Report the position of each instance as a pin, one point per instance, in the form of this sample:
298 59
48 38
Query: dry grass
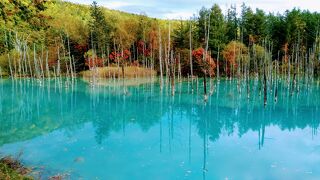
12 169
122 82
110 72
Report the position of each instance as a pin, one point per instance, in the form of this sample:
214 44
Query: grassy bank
110 72
11 169
4 74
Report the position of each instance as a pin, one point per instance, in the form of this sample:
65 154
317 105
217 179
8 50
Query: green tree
180 36
276 31
232 24
99 37
252 26
202 24
217 38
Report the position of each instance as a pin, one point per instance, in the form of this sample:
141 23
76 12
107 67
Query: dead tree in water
204 59
205 84
218 70
296 67
276 79
169 51
190 52
265 86
172 73
179 68
160 59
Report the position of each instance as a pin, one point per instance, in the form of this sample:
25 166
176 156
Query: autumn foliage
203 61
143 49
120 56
94 62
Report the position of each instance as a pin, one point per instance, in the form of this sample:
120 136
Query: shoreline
11 168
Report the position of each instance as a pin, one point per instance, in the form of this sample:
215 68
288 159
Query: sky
184 9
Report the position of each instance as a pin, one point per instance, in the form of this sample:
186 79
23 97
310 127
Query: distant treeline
51 33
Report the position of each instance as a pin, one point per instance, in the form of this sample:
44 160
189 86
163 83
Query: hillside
67 37
47 26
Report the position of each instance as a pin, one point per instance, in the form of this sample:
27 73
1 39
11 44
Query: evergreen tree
99 30
180 36
217 30
202 24
232 24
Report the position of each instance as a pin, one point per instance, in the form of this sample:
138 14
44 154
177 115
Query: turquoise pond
100 132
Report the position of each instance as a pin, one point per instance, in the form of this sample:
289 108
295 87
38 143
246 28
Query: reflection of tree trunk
123 116
248 83
160 131
205 84
262 137
276 92
259 138
190 121
171 122
160 135
204 168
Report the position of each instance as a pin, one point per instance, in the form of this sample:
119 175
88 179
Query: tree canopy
54 25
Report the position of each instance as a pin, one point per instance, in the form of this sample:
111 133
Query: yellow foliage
235 52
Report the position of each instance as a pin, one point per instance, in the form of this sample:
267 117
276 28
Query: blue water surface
107 131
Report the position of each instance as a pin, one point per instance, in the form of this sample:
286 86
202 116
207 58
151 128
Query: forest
48 38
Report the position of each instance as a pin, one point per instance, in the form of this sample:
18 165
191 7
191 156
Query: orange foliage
208 65
94 62
125 55
233 51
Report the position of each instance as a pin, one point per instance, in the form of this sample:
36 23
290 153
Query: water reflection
31 109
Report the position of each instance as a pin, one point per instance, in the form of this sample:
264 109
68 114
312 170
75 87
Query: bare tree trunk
190 52
179 68
169 48
204 60
277 76
10 67
47 65
160 59
265 86
218 66
172 74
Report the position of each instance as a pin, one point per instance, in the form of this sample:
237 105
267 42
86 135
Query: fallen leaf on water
79 160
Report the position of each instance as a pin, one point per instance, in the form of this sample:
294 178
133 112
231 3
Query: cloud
116 5
176 9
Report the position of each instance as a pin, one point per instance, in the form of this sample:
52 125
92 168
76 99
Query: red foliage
198 54
94 62
52 63
81 47
125 55
140 46
143 49
208 65
113 55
